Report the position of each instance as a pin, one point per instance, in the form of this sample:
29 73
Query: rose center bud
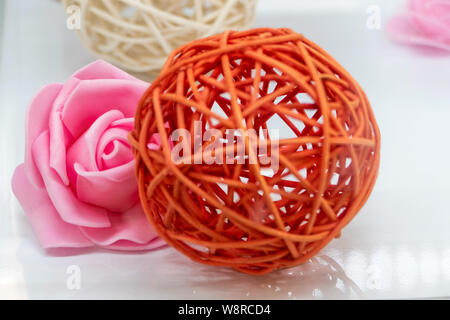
113 149
100 162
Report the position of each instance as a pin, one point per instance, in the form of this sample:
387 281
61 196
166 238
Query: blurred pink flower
425 23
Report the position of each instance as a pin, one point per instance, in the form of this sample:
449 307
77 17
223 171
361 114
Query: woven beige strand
138 35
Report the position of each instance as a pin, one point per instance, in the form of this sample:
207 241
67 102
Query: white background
398 246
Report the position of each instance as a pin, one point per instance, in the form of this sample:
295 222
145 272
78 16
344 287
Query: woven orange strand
253 76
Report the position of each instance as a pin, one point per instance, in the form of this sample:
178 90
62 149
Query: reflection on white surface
158 275
397 247
429 265
445 265
406 271
356 264
382 269
167 274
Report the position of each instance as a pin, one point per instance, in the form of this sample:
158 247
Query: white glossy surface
397 247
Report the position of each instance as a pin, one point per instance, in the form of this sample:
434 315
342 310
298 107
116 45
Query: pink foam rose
77 184
425 23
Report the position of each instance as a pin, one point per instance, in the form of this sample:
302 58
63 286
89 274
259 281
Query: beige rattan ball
138 35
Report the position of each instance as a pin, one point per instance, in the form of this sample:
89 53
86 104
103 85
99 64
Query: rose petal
66 204
125 245
59 138
92 98
114 154
36 123
131 226
84 149
50 229
125 123
115 189
114 148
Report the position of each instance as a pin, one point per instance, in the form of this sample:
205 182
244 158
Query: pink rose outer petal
71 209
102 70
50 229
58 137
129 230
125 245
115 189
92 98
36 123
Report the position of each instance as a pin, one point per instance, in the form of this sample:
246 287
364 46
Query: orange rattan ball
247 215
